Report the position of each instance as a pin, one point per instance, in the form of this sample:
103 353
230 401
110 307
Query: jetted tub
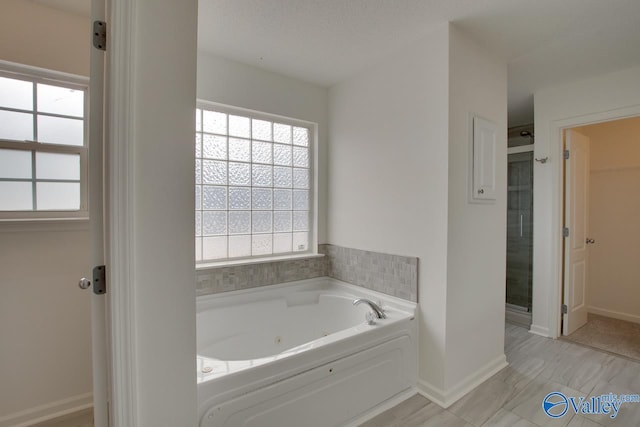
301 354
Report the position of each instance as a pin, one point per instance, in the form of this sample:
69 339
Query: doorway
519 276
601 297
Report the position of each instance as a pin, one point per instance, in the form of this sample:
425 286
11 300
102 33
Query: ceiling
544 42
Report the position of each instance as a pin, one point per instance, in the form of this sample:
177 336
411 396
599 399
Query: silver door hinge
566 154
100 35
565 232
565 309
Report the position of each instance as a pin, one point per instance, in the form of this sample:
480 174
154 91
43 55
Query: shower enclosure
520 225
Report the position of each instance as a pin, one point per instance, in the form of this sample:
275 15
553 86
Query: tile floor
513 397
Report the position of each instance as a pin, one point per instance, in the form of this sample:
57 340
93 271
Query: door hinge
565 232
565 309
566 154
99 280
100 35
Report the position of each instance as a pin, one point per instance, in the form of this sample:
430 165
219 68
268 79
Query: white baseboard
446 398
433 393
543 331
378 409
614 314
48 411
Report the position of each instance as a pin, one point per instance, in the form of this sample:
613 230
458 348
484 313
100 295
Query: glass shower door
520 231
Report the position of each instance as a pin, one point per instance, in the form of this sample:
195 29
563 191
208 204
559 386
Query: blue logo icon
555 404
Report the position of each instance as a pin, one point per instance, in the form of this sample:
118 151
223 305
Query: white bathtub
300 354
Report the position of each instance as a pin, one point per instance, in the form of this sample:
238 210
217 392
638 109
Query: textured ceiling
545 42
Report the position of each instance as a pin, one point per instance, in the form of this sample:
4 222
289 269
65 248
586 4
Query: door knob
592 241
84 283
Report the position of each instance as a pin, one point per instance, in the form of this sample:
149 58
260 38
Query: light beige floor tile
582 375
628 414
628 376
519 374
481 403
579 421
445 419
422 416
504 418
528 403
395 415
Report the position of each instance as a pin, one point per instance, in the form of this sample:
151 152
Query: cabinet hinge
565 309
100 35
565 232
566 154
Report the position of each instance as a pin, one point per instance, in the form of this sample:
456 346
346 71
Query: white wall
607 97
163 262
227 82
398 159
45 323
45 320
44 37
476 261
614 205
388 174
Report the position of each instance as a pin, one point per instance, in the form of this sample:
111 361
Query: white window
254 185
43 144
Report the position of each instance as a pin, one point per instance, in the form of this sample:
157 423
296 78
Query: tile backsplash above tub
236 277
391 274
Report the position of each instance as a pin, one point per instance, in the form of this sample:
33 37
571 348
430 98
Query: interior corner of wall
450 395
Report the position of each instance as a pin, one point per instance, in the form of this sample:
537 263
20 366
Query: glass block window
253 185
43 151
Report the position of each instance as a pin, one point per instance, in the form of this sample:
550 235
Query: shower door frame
519 310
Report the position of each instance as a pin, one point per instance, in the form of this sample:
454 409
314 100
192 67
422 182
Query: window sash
37 75
311 208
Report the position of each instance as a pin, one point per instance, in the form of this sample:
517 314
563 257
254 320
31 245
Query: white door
96 213
577 222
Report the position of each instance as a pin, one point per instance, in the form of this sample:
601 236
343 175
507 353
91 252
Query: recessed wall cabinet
484 161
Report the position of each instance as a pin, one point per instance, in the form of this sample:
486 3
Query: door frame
127 25
555 246
119 211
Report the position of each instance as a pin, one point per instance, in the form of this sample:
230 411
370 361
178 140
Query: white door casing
577 222
99 335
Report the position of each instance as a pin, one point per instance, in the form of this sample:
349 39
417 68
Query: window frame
312 249
54 78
